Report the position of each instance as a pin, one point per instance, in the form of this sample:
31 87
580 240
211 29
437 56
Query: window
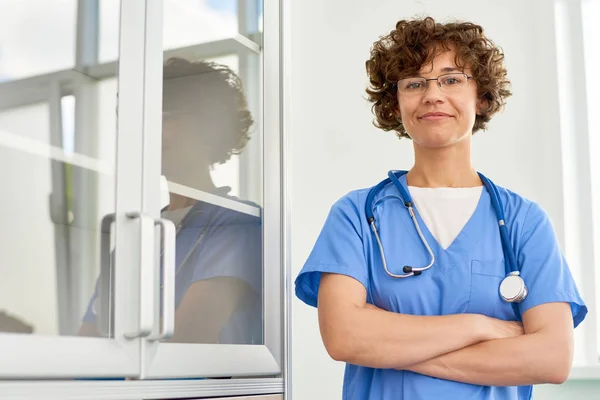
46 45
186 23
577 61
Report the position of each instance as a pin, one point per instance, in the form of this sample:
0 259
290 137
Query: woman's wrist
488 328
482 327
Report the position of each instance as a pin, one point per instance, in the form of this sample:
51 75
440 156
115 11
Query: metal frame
45 357
133 390
214 199
88 28
33 89
237 44
286 146
273 179
251 160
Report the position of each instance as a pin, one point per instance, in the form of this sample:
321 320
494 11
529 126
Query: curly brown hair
219 96
413 43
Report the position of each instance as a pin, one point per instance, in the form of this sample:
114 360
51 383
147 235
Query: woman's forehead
443 61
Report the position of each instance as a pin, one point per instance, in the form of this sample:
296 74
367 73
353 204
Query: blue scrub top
220 242
464 279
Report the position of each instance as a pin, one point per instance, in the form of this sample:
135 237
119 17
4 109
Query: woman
407 275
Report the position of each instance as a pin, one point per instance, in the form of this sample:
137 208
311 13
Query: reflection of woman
443 332
12 324
218 250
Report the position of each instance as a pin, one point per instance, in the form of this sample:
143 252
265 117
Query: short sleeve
231 250
89 315
338 249
544 268
218 242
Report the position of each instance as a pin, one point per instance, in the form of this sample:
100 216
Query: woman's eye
414 85
451 81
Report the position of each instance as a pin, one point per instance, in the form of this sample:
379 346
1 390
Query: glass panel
186 23
212 159
108 46
68 123
37 128
57 166
36 37
189 22
28 297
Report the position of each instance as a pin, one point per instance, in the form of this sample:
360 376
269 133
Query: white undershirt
445 210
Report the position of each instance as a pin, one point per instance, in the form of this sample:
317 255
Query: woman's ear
482 104
397 113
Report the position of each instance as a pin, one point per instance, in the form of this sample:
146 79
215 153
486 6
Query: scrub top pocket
484 298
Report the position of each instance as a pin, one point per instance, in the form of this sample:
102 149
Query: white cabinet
142 197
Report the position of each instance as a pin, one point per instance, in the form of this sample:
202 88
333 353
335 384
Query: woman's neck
193 178
178 202
443 167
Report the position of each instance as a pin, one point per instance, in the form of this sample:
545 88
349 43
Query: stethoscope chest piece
513 289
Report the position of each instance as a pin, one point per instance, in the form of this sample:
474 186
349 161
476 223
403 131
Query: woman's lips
435 117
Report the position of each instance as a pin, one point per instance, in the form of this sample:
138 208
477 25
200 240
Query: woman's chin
437 140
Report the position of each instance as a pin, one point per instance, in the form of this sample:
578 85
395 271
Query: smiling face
437 118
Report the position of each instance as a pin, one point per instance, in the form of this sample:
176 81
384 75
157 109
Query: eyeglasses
448 83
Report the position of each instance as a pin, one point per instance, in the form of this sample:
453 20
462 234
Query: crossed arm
467 348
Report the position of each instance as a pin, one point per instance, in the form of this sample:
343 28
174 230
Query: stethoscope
512 288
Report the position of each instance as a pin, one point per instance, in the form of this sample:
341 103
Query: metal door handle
147 285
167 261
105 295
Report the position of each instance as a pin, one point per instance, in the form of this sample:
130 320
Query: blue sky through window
229 6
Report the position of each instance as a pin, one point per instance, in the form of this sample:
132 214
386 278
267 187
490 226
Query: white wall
335 148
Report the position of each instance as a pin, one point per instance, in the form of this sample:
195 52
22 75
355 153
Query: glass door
74 292
220 189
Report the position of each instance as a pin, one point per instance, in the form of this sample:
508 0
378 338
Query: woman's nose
433 93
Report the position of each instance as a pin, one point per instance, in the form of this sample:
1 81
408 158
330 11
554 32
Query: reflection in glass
28 298
56 169
97 313
218 276
186 23
48 255
219 238
36 37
